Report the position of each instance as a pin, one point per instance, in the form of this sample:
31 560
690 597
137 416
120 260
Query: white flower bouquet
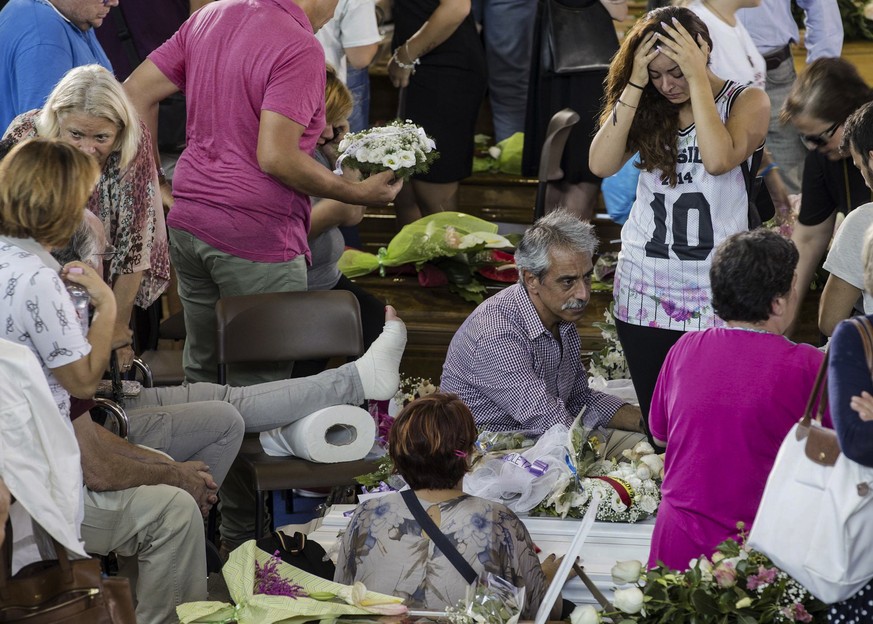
401 146
630 490
609 362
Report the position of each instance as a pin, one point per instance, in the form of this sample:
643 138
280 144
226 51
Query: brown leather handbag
61 591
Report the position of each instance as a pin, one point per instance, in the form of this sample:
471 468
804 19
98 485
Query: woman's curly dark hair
749 271
656 123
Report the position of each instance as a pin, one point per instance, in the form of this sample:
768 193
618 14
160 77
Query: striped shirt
514 374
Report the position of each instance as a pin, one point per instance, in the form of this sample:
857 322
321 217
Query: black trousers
645 349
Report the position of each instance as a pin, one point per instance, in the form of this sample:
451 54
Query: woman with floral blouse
89 109
385 548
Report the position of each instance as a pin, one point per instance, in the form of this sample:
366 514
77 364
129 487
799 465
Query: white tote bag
815 520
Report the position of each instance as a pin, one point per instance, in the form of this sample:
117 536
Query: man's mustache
575 304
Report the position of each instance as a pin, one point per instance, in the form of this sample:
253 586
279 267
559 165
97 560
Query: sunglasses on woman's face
821 139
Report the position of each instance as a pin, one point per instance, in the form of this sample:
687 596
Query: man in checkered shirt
516 359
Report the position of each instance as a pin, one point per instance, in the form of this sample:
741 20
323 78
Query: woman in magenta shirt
727 397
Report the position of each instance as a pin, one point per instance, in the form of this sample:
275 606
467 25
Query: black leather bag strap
123 31
439 539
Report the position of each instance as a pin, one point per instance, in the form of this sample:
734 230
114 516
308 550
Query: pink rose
765 576
725 575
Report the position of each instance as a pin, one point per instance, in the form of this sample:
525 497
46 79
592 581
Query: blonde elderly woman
89 109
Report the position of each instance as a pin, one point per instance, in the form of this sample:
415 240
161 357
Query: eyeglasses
821 139
108 252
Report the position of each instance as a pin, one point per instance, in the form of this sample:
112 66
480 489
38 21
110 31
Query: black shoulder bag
439 539
577 39
761 206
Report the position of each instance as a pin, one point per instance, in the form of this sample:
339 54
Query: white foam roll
334 434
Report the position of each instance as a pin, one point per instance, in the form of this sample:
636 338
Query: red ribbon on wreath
622 487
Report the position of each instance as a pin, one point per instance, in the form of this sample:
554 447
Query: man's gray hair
82 246
558 229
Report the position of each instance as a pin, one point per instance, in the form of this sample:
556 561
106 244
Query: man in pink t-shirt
727 397
253 75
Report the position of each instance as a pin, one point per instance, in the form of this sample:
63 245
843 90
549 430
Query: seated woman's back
386 549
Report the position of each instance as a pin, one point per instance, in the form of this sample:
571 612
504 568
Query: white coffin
607 543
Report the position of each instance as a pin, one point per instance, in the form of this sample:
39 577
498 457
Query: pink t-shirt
724 402
233 59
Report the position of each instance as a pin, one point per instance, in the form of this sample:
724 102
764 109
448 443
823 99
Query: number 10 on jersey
657 247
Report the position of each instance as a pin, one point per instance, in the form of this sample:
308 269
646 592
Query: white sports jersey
662 278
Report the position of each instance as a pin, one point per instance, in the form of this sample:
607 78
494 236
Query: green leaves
752 591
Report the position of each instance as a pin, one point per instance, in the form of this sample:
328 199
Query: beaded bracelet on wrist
411 65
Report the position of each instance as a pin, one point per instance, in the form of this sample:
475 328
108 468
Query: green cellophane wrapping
443 234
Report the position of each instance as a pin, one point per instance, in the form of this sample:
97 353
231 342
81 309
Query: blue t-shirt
37 47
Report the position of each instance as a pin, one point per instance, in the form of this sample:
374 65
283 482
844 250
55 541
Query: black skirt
446 91
547 94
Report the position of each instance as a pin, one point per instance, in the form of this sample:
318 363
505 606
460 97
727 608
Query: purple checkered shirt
513 374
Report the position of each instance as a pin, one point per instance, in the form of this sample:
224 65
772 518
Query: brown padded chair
277 327
550 157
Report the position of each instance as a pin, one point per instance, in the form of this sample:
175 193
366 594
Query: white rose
643 472
362 154
624 471
375 155
648 504
643 448
344 144
585 614
626 572
406 158
616 504
628 600
654 463
705 570
494 152
391 162
581 498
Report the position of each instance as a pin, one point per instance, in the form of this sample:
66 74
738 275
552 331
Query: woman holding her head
693 131
384 546
89 110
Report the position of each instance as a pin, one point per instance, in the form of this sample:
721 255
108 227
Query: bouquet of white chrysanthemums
402 147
